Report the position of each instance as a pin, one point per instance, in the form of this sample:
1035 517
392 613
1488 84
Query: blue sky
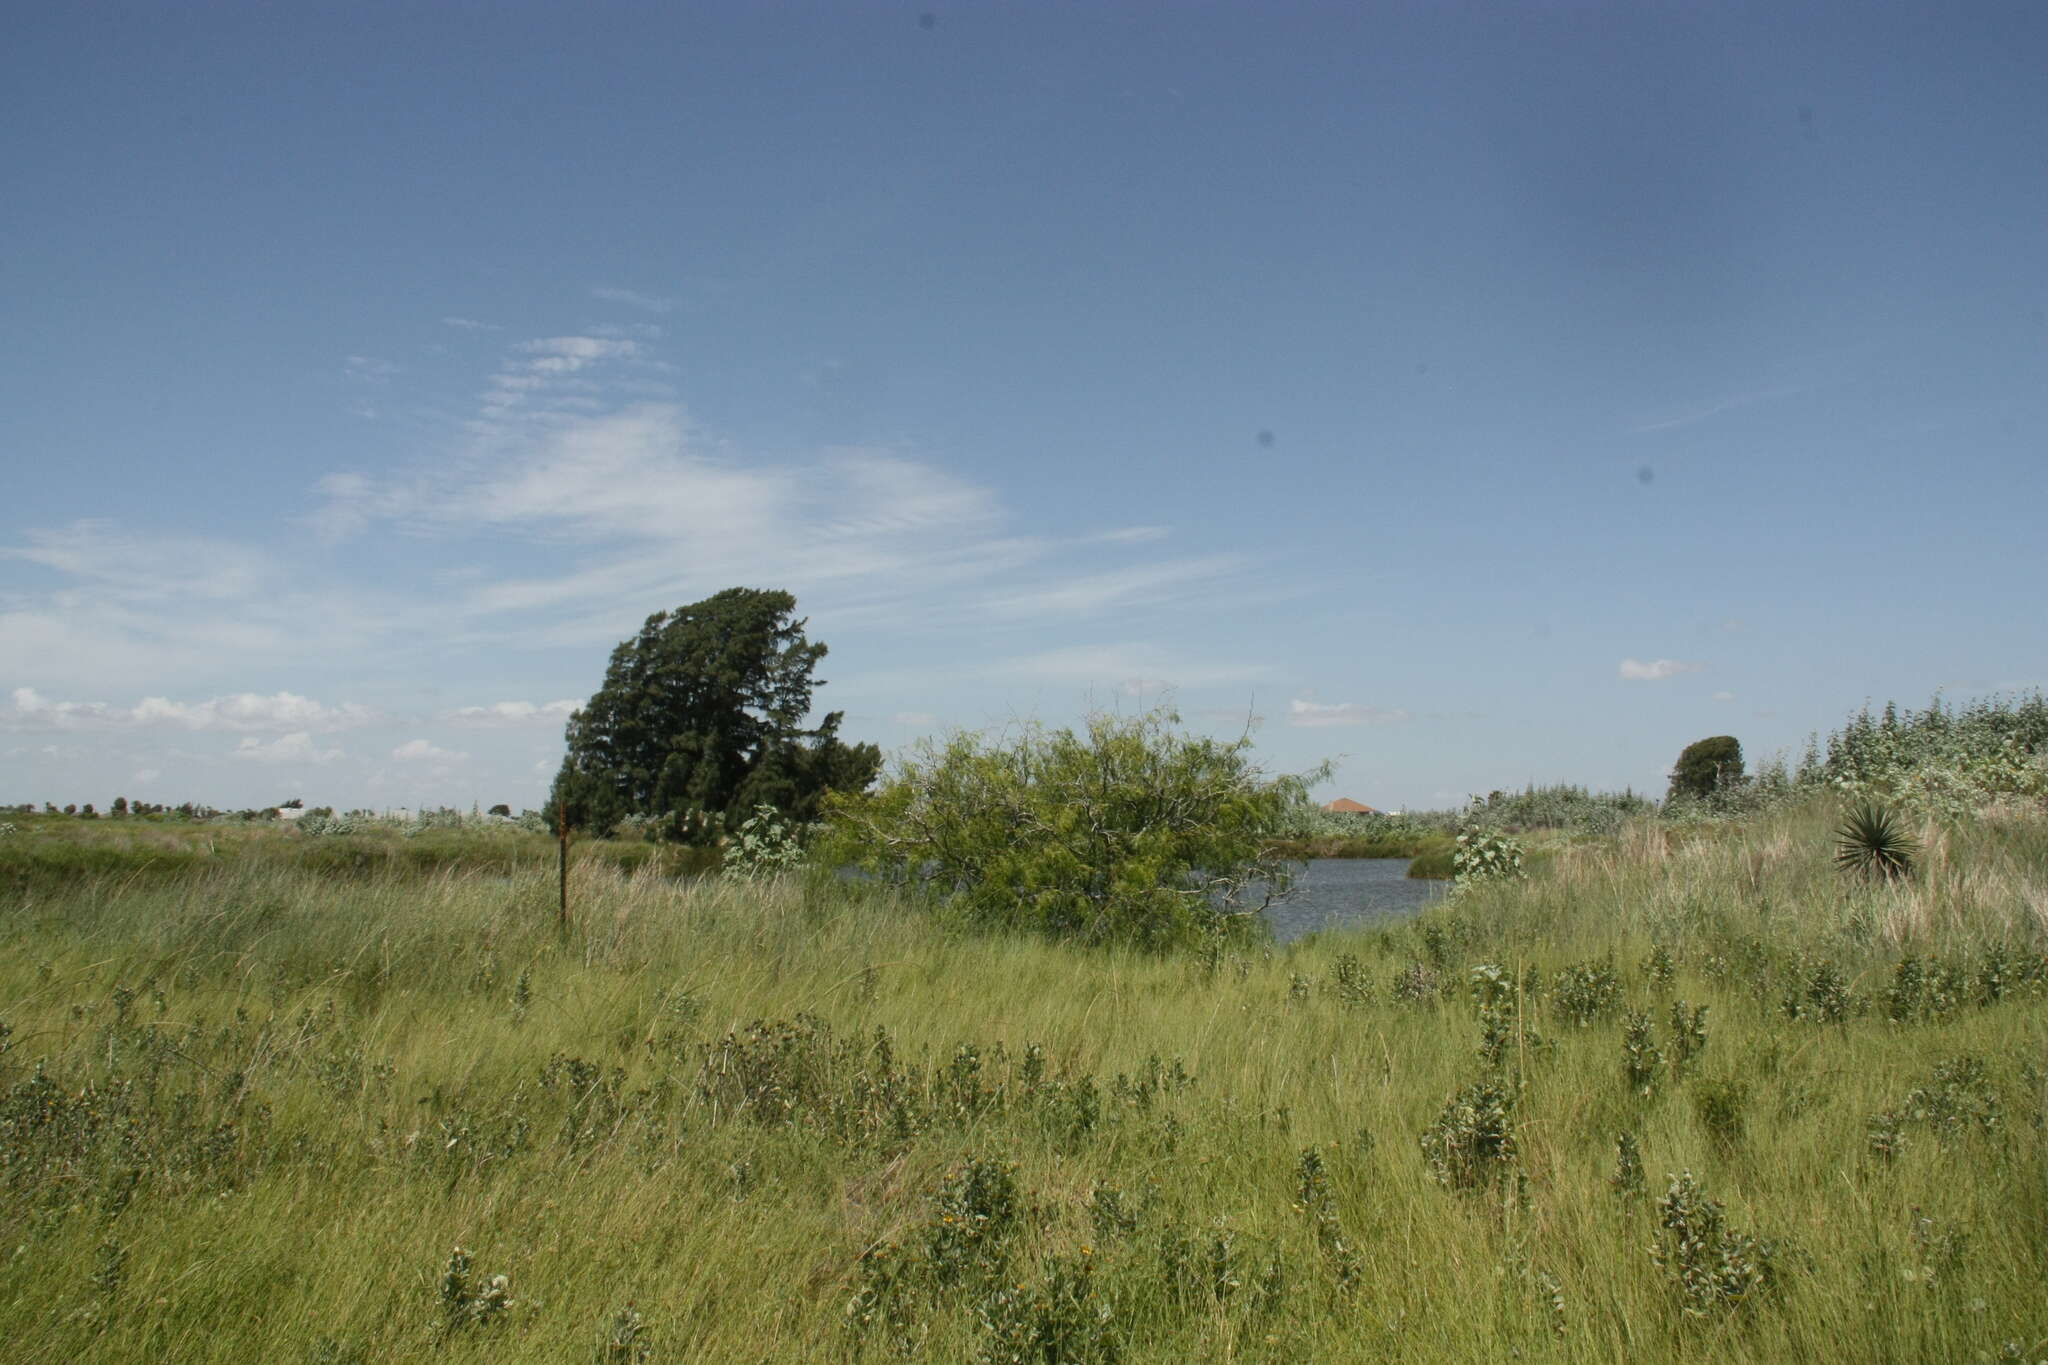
1475 394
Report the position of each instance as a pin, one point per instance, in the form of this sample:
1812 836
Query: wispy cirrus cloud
138 567
1135 586
508 713
1139 666
633 299
568 354
297 747
1657 670
426 751
1714 408
1306 713
578 451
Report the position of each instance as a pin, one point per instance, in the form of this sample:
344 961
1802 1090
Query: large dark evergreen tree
701 719
1706 766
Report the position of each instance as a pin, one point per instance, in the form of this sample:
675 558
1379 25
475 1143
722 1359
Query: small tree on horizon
1705 767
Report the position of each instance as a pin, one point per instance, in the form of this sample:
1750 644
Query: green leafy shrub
1641 1060
1586 991
1627 1180
1130 832
1714 1268
1483 855
1956 1100
1472 1143
764 845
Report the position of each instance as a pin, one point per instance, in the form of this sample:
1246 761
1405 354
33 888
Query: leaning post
562 862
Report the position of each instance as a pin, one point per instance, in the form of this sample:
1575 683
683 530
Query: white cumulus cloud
1657 670
239 711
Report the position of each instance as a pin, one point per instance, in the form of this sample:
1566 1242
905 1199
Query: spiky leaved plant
1873 840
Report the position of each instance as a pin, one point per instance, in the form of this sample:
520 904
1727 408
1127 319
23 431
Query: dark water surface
1349 891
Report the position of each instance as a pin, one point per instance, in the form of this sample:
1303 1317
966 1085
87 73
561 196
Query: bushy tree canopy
701 720
1130 832
1706 766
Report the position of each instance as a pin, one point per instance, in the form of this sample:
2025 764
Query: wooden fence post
562 862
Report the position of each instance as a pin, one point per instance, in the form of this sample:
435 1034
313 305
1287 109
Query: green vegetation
701 721
1304 830
42 852
1705 767
1130 833
1694 1090
1689 1093
1948 763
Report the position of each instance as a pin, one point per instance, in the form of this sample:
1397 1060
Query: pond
1329 892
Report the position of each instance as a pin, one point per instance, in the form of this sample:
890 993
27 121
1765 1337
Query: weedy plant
625 1340
1472 1143
1059 1318
1486 855
1688 1036
1312 1182
467 1304
1642 1062
764 845
1956 1101
1627 1180
1714 1268
1586 991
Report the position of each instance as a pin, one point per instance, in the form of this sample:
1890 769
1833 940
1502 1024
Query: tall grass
45 851
250 1112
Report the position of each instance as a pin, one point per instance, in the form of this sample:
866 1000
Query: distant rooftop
1344 805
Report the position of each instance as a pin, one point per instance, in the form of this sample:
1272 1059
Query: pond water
1349 891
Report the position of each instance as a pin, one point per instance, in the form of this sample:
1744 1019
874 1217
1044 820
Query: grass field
250 1105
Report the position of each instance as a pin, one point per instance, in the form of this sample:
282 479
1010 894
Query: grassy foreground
248 1112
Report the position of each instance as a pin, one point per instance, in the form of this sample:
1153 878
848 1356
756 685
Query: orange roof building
1344 805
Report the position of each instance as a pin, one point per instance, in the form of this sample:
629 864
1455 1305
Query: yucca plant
1873 841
